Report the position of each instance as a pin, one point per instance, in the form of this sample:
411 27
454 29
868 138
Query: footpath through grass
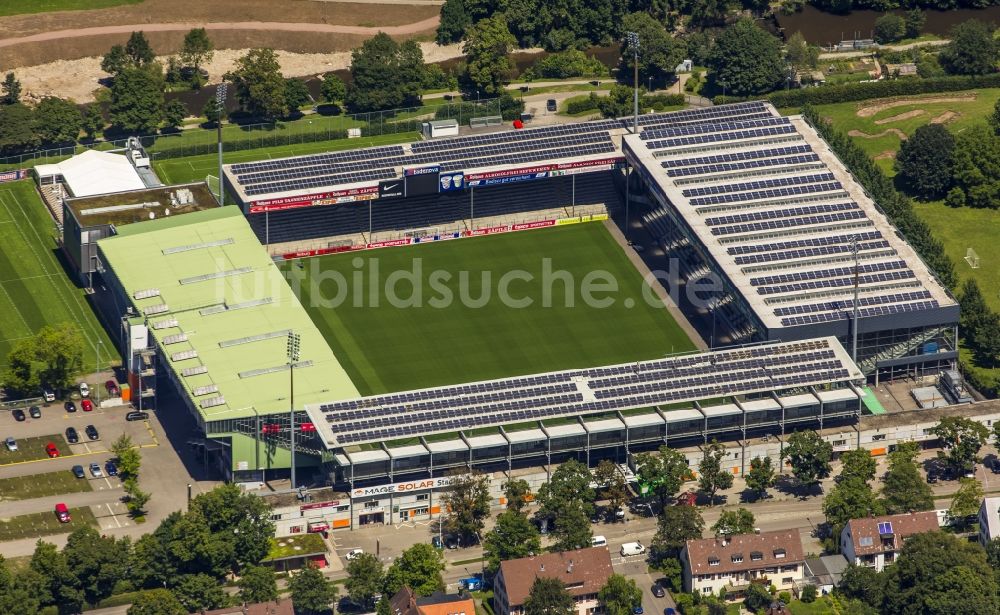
34 288
475 335
39 524
24 7
41 485
195 168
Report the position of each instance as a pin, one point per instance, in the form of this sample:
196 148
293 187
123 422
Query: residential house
406 602
275 607
825 572
876 541
989 520
583 572
732 563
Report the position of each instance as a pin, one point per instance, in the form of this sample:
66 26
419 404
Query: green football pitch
34 288
387 347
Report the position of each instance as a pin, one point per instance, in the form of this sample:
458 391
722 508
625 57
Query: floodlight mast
294 340
220 103
632 41
854 318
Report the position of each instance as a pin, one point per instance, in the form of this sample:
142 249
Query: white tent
92 173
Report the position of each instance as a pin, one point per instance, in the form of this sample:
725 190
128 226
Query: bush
808 594
566 64
785 597
660 101
880 89
579 105
889 28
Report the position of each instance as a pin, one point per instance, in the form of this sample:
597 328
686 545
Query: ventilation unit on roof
159 308
175 339
198 246
194 371
215 275
254 338
165 324
205 390
183 355
146 293
211 402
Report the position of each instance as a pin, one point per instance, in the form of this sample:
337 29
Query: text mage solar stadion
732 372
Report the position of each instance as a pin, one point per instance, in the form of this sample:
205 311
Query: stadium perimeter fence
309 129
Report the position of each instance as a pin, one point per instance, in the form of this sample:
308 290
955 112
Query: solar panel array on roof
671 380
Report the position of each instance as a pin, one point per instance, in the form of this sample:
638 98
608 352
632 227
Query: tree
98 563
384 74
712 476
663 473
962 438
620 595
850 498
572 530
808 594
241 519
418 568
333 88
548 596
115 61
747 60
258 584
858 463
676 525
60 349
735 523
137 101
513 536
364 580
128 456
199 592
862 583
93 120
11 90
151 563
810 457
57 121
487 48
56 584
659 53
966 501
137 498
260 88
974 309
454 21
22 368
976 166
174 113
156 602
616 492
569 482
196 49
468 502
799 53
972 50
889 28
903 487
760 478
312 592
517 491
604 472
938 571
296 95
926 160
138 50
914 23
757 597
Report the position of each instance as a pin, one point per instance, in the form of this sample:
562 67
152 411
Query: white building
989 520
732 563
876 541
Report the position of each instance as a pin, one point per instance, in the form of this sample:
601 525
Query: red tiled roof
584 571
903 526
767 545
278 607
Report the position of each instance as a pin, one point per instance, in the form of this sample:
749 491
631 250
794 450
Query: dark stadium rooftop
122 208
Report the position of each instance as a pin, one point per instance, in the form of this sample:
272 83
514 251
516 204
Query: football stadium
361 307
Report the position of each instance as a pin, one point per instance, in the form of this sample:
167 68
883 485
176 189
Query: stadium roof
94 172
287 178
123 208
678 379
219 311
777 212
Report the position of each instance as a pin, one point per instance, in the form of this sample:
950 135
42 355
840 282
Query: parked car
70 406
112 388
18 414
632 548
35 412
436 542
11 444
87 405
95 470
91 432
110 468
78 472
136 416
658 590
62 513
84 389
71 436
49 395
51 450
354 554
550 105
637 610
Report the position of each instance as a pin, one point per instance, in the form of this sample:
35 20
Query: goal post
972 258
214 186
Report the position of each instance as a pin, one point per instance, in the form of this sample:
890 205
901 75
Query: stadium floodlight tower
632 41
294 339
220 103
854 317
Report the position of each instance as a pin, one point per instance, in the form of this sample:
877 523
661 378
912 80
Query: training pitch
386 348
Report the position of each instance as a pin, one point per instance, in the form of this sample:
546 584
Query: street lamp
632 42
723 91
220 102
294 340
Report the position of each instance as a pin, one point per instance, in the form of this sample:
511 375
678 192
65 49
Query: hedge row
253 142
847 92
579 105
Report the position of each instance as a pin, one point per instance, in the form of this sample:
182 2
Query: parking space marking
18 463
113 515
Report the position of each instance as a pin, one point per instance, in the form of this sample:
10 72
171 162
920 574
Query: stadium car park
737 190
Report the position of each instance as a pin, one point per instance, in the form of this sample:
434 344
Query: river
826 28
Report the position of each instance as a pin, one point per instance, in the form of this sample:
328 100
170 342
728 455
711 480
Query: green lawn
823 605
42 485
386 348
195 168
34 288
30 449
22 7
43 524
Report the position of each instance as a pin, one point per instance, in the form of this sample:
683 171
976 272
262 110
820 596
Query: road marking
108 482
113 515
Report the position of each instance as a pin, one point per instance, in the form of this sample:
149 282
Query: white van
598 541
632 548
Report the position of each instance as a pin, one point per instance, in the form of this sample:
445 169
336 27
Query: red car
112 388
62 513
87 405
51 450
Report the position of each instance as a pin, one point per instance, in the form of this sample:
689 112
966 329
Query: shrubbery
566 64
